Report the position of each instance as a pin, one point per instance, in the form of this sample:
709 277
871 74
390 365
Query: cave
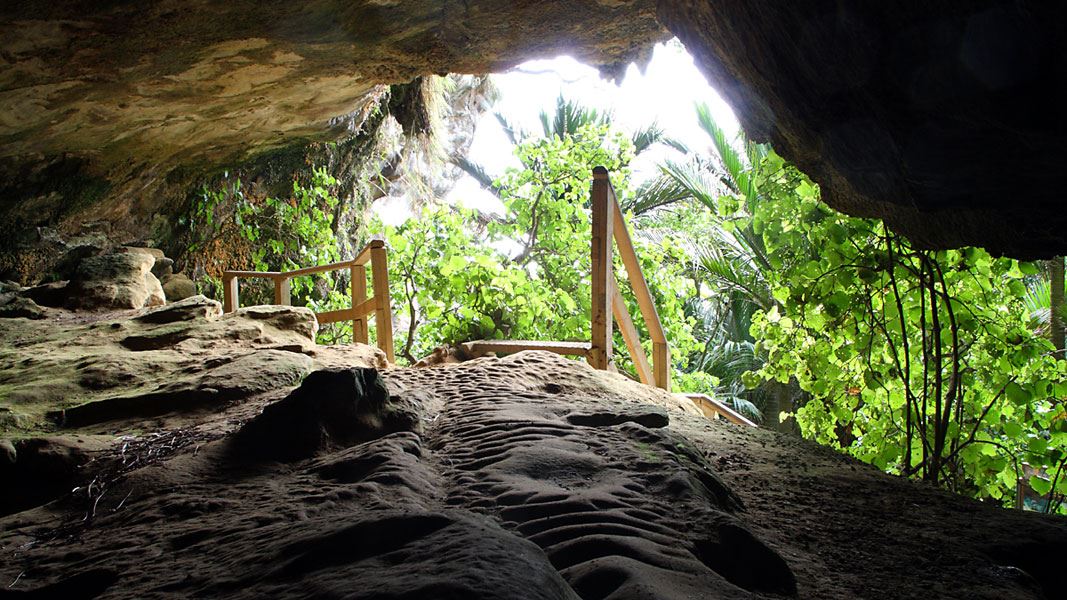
527 476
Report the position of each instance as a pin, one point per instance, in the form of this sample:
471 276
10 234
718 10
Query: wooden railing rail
608 306
610 224
374 254
716 409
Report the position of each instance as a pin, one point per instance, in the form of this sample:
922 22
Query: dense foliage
273 234
458 275
920 362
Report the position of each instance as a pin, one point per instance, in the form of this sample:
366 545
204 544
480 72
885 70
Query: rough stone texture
496 484
939 117
52 294
157 78
155 364
115 280
335 408
178 287
13 306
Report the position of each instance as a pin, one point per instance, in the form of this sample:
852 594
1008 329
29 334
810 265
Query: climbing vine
274 234
920 362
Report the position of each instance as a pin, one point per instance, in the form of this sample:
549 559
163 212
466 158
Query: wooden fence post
383 312
230 300
661 365
360 333
281 291
600 354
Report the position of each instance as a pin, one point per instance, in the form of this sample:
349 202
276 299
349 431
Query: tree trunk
1056 305
780 400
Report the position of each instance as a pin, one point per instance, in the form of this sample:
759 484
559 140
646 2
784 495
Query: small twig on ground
127 497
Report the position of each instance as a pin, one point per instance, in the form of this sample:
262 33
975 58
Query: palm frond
652 134
646 136
660 190
697 181
477 172
737 179
514 133
677 144
729 264
569 117
1038 303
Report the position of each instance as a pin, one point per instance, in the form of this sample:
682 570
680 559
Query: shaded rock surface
331 408
36 470
178 286
930 115
893 107
76 371
116 280
13 306
496 485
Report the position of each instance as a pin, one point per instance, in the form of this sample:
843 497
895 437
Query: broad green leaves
459 276
919 362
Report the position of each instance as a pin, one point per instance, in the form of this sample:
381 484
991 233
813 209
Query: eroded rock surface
117 280
936 116
495 484
181 357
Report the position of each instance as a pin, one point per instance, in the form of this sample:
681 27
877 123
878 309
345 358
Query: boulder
155 253
331 408
298 319
177 286
12 306
163 268
186 309
52 294
117 280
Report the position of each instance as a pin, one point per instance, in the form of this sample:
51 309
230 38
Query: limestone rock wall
940 117
943 118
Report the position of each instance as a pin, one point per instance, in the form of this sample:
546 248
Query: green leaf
1016 394
1039 485
1012 429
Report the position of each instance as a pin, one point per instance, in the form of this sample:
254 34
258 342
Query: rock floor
531 476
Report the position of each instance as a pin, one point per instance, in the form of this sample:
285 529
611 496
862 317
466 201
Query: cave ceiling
944 118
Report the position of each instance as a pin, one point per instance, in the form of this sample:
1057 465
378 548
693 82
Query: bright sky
666 93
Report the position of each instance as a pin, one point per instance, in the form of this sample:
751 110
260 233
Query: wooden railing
362 306
716 409
609 224
609 230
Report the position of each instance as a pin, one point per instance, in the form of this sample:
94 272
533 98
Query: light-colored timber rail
377 304
716 409
609 230
608 307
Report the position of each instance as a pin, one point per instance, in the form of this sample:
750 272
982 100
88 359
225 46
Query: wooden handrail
379 304
715 409
609 223
634 273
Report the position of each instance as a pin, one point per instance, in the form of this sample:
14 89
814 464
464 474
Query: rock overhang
937 117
